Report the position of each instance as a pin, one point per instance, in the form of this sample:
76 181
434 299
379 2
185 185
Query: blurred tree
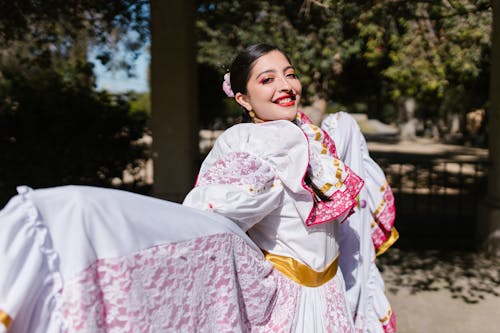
435 52
53 132
368 55
54 127
66 29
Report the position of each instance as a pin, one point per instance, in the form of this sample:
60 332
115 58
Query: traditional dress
84 259
369 232
259 253
257 176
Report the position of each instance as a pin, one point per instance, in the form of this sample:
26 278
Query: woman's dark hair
244 62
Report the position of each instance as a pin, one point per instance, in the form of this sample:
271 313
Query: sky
118 82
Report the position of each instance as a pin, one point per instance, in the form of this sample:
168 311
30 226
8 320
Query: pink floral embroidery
215 283
337 319
239 168
210 284
384 220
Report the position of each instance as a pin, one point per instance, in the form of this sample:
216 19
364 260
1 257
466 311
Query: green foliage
54 127
363 52
139 102
66 28
54 132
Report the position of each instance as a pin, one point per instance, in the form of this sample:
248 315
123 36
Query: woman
278 178
278 216
85 259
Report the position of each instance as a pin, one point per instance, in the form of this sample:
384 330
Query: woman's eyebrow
274 71
265 72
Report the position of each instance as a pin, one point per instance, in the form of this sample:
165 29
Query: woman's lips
286 101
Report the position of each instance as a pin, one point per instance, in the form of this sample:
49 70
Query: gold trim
388 243
389 313
326 187
5 319
300 272
379 208
317 131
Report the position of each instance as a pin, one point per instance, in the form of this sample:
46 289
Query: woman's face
273 89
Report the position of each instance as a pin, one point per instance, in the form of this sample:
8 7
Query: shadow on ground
468 275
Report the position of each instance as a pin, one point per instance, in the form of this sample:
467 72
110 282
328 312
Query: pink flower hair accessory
226 85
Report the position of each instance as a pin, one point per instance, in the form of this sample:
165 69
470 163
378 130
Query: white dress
86 259
254 175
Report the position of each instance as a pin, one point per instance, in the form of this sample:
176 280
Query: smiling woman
280 178
272 89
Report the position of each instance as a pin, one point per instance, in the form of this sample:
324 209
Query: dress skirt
86 259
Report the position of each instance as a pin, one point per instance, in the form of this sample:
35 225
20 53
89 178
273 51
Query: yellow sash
301 273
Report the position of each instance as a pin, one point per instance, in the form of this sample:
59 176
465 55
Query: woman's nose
284 84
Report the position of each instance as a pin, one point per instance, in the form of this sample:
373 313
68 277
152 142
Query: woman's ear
243 101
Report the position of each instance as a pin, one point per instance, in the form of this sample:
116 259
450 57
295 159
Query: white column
489 212
173 98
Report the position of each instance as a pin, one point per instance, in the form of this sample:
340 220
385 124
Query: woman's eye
292 75
266 80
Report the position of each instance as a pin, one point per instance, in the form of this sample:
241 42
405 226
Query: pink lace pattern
210 284
215 283
384 218
337 319
239 168
281 318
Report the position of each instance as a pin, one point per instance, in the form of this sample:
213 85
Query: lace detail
337 319
281 319
211 284
336 316
238 168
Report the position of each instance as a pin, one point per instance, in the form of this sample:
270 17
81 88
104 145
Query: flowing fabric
369 230
83 259
86 259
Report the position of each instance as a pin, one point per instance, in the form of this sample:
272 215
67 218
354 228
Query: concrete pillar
173 98
489 212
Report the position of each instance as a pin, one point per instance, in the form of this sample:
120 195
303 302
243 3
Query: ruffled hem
43 241
379 316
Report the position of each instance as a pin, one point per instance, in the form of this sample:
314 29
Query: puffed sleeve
238 185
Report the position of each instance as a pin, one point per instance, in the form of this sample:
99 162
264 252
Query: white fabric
279 211
365 287
82 259
58 243
48 236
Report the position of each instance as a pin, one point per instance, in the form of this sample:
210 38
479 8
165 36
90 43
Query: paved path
434 291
